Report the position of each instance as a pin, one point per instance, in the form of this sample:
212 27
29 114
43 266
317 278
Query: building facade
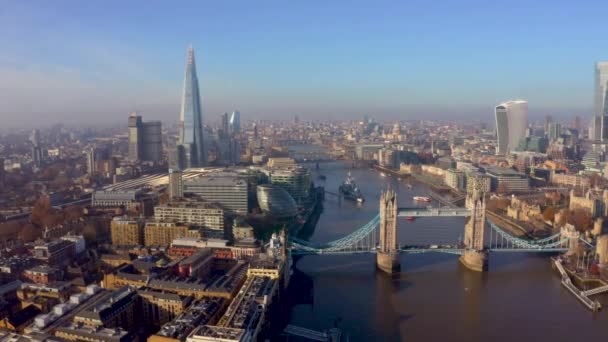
600 115
163 233
201 214
191 152
230 192
511 124
127 232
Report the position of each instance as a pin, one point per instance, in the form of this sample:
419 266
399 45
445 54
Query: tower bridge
379 235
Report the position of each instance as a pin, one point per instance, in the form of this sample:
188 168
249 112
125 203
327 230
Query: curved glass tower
191 150
511 124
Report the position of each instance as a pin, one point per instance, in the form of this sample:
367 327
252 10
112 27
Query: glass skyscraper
600 115
511 124
235 122
190 151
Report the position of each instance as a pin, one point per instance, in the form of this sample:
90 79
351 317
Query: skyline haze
69 63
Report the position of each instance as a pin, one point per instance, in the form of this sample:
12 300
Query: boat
421 199
411 218
350 190
382 174
409 186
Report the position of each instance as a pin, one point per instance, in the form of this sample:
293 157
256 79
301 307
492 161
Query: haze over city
70 62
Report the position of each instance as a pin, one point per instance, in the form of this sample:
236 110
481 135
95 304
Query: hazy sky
94 61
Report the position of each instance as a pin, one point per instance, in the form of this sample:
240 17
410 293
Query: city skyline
418 61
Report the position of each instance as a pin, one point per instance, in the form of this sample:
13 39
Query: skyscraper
548 121
235 122
36 149
600 115
511 124
145 139
191 151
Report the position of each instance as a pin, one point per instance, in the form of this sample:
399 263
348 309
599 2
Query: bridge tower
475 255
387 257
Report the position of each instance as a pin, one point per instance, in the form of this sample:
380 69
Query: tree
554 197
44 215
29 233
581 219
90 233
549 214
563 217
73 212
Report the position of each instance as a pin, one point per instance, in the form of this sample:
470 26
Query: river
433 298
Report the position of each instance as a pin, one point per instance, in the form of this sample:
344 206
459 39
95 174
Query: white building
511 124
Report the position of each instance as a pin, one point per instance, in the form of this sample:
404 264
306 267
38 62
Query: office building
81 332
56 252
600 115
296 181
114 309
204 311
554 131
507 180
127 232
229 191
176 184
145 139
163 233
276 201
160 307
235 122
192 212
548 121
191 152
36 149
108 198
456 179
511 124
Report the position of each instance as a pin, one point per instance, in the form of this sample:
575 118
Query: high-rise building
145 139
225 126
191 152
36 149
235 122
2 173
600 115
554 130
577 124
176 185
548 121
511 124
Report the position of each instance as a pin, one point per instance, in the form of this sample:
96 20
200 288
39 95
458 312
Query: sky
92 62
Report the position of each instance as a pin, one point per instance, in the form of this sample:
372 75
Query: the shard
191 152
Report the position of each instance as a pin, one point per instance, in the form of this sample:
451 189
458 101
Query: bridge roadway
433 212
446 250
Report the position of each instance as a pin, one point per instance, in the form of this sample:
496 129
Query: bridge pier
475 260
387 256
475 256
388 262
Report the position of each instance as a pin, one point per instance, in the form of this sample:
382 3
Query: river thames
433 298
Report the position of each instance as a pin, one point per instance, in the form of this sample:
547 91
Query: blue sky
94 61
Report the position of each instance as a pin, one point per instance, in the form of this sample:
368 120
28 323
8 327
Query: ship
421 199
350 190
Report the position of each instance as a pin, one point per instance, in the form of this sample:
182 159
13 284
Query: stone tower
475 256
387 257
